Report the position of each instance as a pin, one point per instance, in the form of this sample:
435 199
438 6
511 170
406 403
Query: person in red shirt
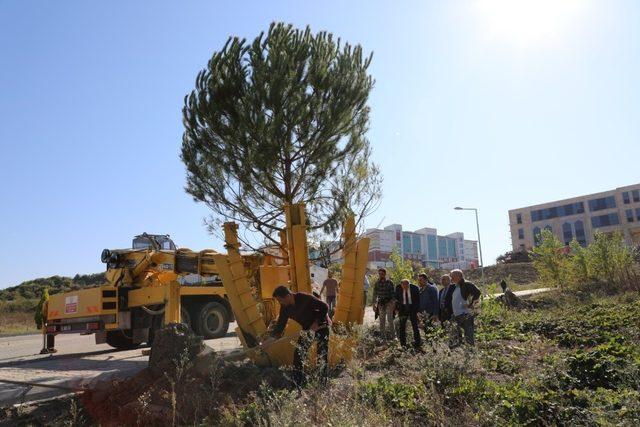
312 314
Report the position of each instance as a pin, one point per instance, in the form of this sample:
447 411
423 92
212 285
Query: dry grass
16 318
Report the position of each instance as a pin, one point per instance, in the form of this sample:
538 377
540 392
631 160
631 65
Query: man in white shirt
464 297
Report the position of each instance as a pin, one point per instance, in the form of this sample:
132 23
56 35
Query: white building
424 246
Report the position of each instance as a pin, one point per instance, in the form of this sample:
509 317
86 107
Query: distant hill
32 289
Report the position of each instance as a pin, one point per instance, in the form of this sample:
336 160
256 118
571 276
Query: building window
519 218
452 248
406 243
520 233
637 214
557 211
636 195
567 233
605 220
432 247
536 236
629 213
548 228
625 198
442 247
580 235
602 203
417 245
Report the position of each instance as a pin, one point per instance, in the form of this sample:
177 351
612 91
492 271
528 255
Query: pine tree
281 120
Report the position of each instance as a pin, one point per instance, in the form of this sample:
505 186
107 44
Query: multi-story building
579 218
424 246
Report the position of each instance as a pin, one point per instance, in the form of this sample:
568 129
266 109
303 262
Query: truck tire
118 339
212 320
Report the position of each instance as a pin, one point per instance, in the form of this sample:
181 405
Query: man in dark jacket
444 297
464 299
408 305
429 303
311 313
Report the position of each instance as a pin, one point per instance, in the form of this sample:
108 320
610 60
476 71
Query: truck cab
158 242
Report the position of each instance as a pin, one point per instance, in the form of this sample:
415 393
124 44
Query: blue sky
476 103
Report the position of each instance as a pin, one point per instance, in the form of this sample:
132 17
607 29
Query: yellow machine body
144 291
253 322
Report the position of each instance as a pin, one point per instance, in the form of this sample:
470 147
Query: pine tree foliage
282 119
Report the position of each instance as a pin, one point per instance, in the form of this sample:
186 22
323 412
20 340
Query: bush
401 269
608 260
551 261
606 366
383 392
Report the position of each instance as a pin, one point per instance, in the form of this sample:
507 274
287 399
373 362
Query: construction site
144 303
305 213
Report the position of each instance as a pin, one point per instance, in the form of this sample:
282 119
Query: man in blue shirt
429 305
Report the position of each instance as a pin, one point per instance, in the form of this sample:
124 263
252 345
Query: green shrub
383 392
605 366
516 402
607 260
550 261
610 259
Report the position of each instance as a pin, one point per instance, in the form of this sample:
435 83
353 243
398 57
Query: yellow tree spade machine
256 310
144 292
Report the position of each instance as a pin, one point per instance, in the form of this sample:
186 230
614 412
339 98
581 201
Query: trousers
402 328
321 336
385 315
464 323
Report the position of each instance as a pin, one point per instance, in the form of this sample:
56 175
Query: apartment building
579 218
424 246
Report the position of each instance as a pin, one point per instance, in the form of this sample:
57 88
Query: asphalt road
80 363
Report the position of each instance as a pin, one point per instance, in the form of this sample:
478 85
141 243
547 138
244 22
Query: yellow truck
127 310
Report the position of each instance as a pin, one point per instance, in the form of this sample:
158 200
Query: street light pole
458 208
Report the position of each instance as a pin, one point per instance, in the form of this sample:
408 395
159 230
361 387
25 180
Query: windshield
163 242
141 243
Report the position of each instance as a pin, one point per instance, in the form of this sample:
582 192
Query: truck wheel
117 339
212 320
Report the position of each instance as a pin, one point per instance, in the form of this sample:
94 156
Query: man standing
311 313
429 304
384 303
463 299
332 287
408 303
444 296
